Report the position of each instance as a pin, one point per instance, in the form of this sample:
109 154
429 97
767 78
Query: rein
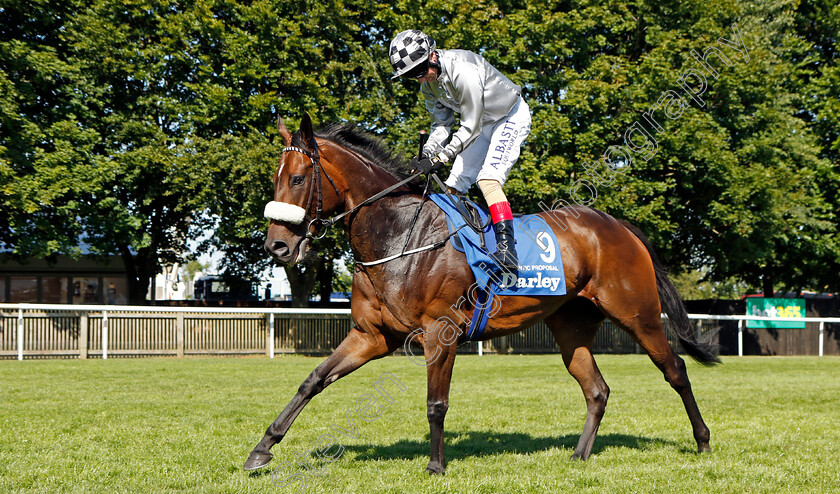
403 253
315 158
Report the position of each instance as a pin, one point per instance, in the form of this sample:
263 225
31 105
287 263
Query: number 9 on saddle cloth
540 264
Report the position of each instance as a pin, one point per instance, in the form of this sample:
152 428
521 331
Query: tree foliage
134 125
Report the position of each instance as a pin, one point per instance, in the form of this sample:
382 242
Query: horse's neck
363 179
380 229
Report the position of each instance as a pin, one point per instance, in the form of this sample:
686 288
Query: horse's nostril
277 248
280 247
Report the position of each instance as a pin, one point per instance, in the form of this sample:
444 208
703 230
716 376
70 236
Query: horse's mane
360 142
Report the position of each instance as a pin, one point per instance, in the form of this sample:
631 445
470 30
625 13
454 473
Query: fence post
83 335
104 335
270 345
740 337
480 348
699 327
822 331
20 334
179 334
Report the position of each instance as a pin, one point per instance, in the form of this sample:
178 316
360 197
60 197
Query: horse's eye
296 180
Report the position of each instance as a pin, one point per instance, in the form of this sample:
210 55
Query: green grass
167 425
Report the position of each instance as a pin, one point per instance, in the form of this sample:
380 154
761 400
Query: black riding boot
505 254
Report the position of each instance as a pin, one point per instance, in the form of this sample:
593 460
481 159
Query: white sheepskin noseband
281 211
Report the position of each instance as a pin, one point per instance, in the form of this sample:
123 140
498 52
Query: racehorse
610 268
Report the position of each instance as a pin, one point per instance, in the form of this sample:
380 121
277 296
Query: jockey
494 122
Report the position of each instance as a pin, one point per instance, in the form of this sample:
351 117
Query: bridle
315 157
317 221
315 187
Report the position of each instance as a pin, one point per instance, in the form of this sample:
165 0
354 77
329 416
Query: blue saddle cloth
540 263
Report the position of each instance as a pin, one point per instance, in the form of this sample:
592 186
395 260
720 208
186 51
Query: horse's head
300 202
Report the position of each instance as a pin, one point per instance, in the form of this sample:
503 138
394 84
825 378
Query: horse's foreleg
440 359
355 350
581 365
574 327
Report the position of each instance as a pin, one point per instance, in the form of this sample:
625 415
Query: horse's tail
702 350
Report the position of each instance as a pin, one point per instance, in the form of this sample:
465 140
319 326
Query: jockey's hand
412 165
426 165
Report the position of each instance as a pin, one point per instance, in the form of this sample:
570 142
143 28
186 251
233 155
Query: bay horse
611 271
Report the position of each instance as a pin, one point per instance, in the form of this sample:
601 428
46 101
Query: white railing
741 319
163 308
109 311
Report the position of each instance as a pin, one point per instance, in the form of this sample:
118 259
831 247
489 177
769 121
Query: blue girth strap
481 314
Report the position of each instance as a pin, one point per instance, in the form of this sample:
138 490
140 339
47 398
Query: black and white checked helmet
408 50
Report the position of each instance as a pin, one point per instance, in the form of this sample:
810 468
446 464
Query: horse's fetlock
702 435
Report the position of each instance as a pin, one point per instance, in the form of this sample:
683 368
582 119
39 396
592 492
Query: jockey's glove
426 165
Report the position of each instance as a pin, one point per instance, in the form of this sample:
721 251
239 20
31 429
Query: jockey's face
430 76
433 72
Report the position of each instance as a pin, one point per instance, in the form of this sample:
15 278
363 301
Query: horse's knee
312 385
436 411
596 400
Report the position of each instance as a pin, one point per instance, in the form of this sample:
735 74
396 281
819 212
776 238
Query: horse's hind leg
574 326
646 328
673 367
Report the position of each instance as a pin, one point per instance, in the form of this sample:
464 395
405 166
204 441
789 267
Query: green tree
331 65
145 61
733 185
48 159
101 124
192 267
693 285
134 126
817 24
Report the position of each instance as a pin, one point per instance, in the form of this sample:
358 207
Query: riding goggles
419 71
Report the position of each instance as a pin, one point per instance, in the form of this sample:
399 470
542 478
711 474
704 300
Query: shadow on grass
486 443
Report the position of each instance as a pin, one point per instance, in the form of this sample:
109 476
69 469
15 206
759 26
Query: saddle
540 262
471 214
469 211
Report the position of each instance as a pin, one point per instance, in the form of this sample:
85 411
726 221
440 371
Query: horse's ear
306 131
281 127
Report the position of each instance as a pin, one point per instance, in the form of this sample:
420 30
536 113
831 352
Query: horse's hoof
435 468
257 460
704 448
578 457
